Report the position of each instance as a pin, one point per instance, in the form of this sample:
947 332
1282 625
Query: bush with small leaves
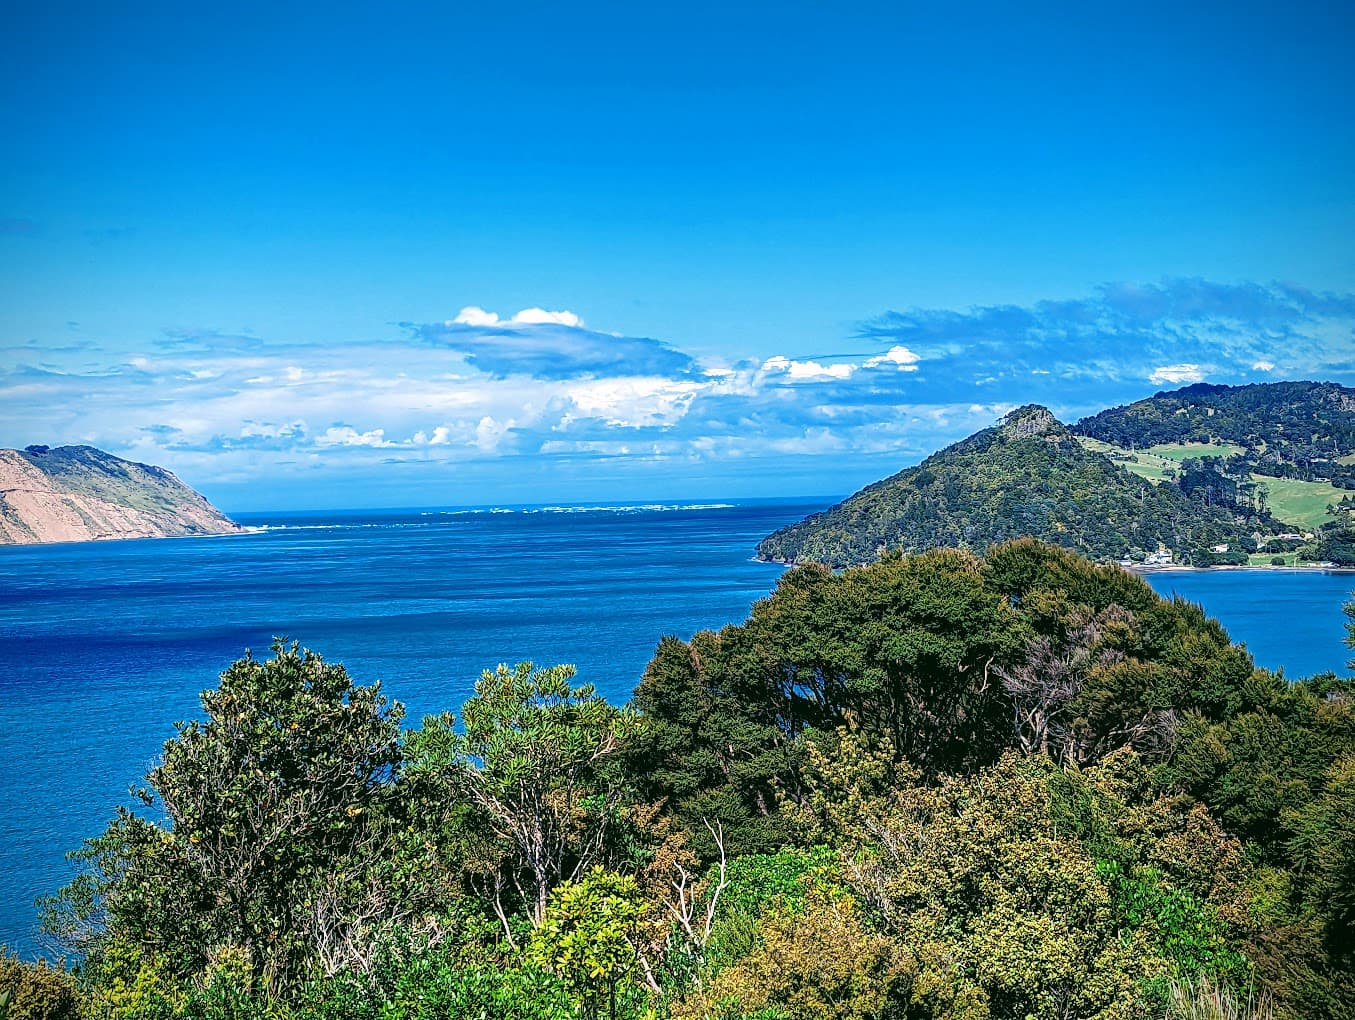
36 991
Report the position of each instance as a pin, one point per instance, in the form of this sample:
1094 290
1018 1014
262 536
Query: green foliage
1190 934
430 984
903 646
936 788
999 887
1322 849
275 806
589 939
1336 539
814 959
1260 765
36 991
761 884
947 659
539 760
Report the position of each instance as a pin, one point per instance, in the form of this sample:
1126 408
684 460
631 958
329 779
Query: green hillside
1027 477
1300 430
1293 501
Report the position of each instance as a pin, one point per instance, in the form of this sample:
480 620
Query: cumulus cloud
539 316
802 371
898 357
473 315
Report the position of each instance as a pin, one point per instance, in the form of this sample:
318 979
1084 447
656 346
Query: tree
1029 891
275 810
539 758
36 991
817 959
905 647
590 938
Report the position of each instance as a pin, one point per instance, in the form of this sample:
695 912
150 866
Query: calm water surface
104 645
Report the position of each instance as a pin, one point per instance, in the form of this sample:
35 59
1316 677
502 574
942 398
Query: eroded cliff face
80 494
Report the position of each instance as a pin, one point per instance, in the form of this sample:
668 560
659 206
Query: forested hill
1028 476
1300 430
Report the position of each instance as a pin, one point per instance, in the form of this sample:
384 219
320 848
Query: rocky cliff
79 494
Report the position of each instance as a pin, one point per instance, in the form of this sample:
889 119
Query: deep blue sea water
104 645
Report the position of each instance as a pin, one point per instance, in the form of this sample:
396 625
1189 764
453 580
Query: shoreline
1138 568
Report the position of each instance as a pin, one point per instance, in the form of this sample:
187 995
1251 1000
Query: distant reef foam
80 494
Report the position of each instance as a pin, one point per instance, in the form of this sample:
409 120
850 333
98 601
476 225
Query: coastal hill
1028 476
79 494
1293 430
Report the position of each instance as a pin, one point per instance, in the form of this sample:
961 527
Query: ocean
105 645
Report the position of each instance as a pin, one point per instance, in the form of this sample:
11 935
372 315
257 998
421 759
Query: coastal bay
107 643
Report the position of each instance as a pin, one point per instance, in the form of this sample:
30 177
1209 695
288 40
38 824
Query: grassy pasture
1178 452
1300 503
1139 462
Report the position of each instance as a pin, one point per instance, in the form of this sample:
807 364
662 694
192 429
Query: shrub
36 991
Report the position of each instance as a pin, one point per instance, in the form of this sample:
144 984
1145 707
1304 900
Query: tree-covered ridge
941 787
1028 476
1298 430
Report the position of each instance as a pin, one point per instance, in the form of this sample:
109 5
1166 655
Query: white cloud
489 433
474 315
1183 373
899 356
346 435
539 316
441 436
804 371
634 401
483 388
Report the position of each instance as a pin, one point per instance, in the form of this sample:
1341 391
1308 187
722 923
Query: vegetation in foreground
1021 786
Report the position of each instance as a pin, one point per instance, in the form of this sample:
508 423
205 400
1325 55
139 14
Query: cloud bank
541 389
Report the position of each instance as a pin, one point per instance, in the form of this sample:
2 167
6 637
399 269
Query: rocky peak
1031 420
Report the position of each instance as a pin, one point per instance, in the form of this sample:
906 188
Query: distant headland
80 494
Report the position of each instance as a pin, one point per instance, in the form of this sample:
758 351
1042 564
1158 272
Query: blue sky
335 255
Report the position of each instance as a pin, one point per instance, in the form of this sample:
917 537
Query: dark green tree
274 808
